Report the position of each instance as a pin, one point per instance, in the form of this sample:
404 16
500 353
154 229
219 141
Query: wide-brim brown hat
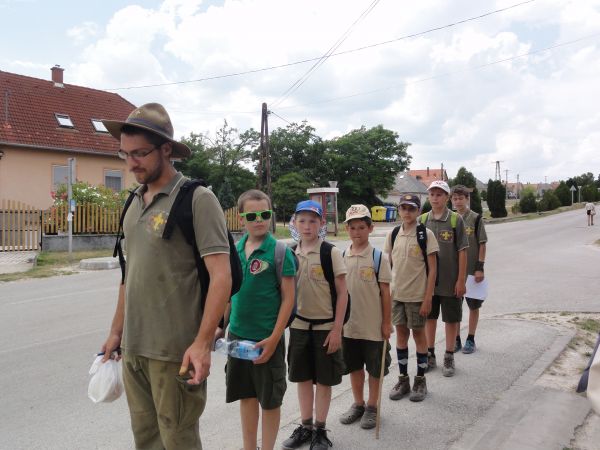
151 117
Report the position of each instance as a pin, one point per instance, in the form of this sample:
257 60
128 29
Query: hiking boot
353 414
457 346
319 440
431 362
419 390
448 369
469 347
401 389
299 437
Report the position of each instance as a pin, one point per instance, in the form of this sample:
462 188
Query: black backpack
422 241
327 265
181 214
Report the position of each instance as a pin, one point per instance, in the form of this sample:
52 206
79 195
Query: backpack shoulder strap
453 219
376 262
395 232
422 241
327 263
280 249
182 212
121 235
477 222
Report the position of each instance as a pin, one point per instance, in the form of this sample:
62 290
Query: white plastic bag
106 384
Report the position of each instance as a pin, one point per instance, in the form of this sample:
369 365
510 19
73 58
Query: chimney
427 171
57 75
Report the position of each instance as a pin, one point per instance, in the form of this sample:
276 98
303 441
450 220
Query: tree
466 178
527 204
225 195
288 190
496 198
426 207
589 193
549 201
365 163
563 193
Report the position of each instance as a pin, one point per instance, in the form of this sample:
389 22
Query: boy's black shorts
308 359
473 303
265 382
451 309
359 353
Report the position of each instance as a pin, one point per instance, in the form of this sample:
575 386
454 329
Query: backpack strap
423 218
280 249
327 265
477 222
377 262
422 241
395 232
121 235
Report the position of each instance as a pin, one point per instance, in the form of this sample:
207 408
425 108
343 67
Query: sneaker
469 347
319 440
431 362
419 390
448 369
401 389
457 346
299 437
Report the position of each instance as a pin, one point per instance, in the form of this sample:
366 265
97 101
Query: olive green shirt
450 244
162 297
475 239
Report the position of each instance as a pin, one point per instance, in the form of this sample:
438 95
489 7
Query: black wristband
479 266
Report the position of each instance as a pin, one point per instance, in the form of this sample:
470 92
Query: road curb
103 263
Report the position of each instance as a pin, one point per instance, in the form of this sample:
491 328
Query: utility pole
498 174
518 193
71 177
442 173
506 180
264 164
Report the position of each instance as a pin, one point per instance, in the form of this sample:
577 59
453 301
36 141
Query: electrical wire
304 61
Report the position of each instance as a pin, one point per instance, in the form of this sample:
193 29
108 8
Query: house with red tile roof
43 123
428 175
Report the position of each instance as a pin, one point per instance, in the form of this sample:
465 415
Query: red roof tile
428 176
29 119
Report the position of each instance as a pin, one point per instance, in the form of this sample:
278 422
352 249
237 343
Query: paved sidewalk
11 262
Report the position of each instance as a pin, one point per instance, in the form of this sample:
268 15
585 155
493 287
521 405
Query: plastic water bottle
238 349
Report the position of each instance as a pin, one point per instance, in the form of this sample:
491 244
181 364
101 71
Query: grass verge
50 264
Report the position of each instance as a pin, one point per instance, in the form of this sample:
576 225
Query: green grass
50 264
591 325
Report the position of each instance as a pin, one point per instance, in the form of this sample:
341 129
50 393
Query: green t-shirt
254 309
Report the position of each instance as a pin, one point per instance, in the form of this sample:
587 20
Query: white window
60 175
64 120
99 126
113 179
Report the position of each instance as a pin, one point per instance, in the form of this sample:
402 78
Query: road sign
573 189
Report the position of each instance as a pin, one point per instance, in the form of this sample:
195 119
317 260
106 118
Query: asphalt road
50 329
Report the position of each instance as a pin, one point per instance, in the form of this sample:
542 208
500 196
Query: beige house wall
26 174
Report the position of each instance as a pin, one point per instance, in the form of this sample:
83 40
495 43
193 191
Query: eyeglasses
136 154
252 216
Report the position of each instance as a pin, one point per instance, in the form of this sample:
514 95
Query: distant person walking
590 210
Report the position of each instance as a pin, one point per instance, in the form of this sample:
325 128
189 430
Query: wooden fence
19 226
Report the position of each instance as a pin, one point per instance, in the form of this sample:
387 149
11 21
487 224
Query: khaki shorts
451 309
265 382
407 315
308 359
360 353
164 409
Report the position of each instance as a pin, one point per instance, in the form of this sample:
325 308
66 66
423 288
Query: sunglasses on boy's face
252 216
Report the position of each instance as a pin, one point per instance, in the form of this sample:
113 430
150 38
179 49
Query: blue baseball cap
310 205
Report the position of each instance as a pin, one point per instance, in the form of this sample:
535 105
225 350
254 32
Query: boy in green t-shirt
475 259
260 312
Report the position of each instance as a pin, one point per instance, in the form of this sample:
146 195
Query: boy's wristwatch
479 266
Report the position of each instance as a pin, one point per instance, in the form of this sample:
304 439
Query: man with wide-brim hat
165 333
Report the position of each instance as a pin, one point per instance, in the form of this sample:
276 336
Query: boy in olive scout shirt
370 324
412 249
315 355
260 312
449 229
475 259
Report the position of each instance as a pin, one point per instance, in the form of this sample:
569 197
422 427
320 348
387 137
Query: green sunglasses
252 216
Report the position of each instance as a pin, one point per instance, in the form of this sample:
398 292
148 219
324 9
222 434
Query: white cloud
83 32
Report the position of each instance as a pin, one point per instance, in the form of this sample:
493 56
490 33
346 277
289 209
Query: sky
518 86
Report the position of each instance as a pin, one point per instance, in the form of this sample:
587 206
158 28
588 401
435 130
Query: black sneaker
299 437
320 441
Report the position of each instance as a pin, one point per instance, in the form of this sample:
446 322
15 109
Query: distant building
428 175
45 122
406 184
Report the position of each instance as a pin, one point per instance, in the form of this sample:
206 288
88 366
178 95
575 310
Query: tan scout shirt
450 245
473 250
409 275
366 312
162 300
314 296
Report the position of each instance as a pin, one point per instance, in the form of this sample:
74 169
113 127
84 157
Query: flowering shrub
84 192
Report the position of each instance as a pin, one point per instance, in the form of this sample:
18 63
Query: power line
300 81
468 69
304 61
